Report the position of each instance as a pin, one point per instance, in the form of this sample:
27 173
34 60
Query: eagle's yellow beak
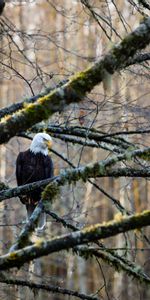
49 144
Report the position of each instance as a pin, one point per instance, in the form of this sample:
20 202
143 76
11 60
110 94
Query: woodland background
43 43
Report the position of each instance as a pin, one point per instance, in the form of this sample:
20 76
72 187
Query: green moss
50 192
129 155
73 176
35 110
83 82
84 253
145 156
98 169
13 256
3 186
85 174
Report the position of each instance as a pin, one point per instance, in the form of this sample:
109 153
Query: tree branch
98 169
20 105
23 239
47 287
78 85
83 132
65 242
109 256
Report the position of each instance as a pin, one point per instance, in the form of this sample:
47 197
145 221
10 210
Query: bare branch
47 287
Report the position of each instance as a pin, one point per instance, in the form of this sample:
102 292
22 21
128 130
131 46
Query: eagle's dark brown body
32 167
2 4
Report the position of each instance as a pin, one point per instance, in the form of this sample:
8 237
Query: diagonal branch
20 105
137 59
68 241
98 169
109 256
24 237
78 85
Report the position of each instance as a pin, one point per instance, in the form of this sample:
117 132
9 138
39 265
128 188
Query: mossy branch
116 261
20 105
78 85
68 241
98 169
3 186
23 189
137 59
24 237
109 256
123 172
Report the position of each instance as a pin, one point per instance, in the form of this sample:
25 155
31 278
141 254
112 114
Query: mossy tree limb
24 237
137 59
20 105
78 85
109 256
98 169
23 189
68 241
118 262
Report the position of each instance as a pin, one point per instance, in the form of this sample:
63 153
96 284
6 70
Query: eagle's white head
40 143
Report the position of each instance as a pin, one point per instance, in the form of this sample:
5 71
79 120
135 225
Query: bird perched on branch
2 4
33 165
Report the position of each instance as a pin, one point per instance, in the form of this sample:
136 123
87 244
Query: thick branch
20 105
137 59
123 172
78 85
98 169
23 189
109 256
65 242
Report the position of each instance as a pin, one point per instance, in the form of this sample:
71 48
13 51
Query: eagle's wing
49 172
2 4
48 166
19 165
19 169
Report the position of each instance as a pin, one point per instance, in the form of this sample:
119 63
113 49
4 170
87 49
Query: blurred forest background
42 43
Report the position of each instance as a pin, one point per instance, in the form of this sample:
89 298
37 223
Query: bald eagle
33 165
2 4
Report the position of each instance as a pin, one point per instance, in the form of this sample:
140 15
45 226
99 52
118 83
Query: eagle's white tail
41 222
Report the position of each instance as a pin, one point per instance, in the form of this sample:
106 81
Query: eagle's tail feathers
41 222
